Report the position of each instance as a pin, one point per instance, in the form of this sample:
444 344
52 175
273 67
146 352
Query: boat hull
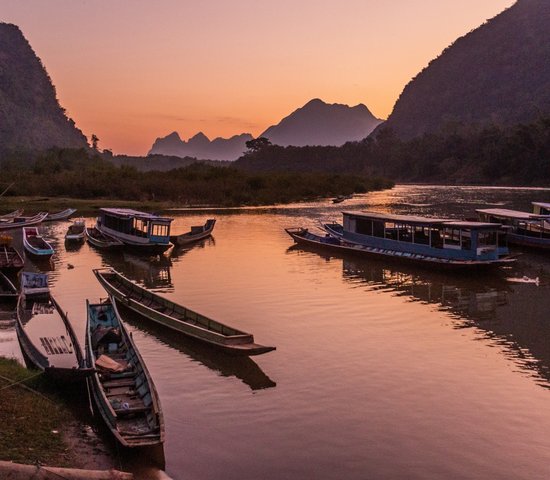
238 343
35 244
302 237
100 387
190 237
26 222
11 260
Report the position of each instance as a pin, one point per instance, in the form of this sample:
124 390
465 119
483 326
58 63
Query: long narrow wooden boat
303 236
101 240
11 260
8 291
11 216
178 318
62 215
76 232
18 222
195 234
35 244
123 390
45 333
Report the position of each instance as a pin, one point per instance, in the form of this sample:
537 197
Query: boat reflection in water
179 251
507 309
151 272
243 368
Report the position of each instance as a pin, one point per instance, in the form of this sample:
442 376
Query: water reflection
506 307
243 368
179 251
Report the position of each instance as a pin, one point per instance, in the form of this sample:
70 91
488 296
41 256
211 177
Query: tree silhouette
95 141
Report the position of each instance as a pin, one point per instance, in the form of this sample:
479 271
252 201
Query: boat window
451 237
159 230
405 232
421 235
140 227
485 239
364 227
378 229
391 230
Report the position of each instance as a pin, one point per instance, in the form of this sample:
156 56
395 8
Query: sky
130 71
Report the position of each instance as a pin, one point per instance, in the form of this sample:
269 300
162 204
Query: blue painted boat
525 229
428 241
138 231
35 244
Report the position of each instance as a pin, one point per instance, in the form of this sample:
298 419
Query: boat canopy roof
515 214
542 204
130 213
416 220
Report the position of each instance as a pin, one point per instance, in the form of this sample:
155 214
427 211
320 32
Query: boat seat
123 382
122 375
132 410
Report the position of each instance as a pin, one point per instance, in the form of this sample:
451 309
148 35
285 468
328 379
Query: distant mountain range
30 115
320 123
201 147
499 72
316 123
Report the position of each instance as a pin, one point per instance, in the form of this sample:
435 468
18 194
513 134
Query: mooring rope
20 384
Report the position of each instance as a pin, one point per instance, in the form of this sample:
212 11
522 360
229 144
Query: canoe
35 244
122 388
45 334
62 215
18 222
195 234
76 232
8 291
302 236
11 216
101 240
176 317
11 260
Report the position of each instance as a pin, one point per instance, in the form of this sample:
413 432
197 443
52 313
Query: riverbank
38 427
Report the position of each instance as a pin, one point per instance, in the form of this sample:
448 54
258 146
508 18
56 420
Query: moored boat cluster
122 388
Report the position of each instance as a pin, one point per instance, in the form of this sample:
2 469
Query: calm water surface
380 372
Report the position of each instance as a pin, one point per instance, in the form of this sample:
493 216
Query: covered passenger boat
196 233
138 231
524 228
430 241
178 318
45 334
123 390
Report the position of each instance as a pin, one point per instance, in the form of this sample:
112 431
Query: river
380 372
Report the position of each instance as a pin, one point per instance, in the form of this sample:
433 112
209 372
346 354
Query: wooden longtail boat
8 291
45 334
178 318
76 232
19 222
11 260
35 244
123 390
62 215
102 240
195 234
11 216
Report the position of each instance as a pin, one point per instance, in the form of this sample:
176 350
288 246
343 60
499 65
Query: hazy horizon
134 71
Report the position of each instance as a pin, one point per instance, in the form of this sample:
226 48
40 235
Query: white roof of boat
541 204
128 212
516 214
448 222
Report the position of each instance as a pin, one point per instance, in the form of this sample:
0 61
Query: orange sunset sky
133 70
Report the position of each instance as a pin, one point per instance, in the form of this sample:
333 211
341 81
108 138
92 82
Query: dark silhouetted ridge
30 115
499 73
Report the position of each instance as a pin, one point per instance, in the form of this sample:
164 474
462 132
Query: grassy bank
32 426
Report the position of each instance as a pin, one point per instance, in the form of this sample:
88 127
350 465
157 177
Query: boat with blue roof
138 231
449 243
